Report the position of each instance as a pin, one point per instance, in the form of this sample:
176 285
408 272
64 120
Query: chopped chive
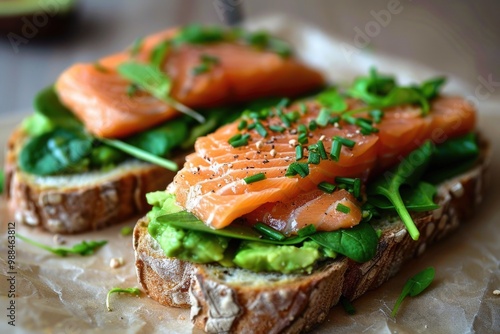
285 120
283 103
334 119
357 187
302 128
303 138
365 126
261 129
326 187
300 168
314 158
346 142
251 126
276 128
323 116
243 124
292 116
307 230
349 119
342 208
377 115
335 151
269 232
238 141
303 108
313 125
299 152
321 150
255 178
347 306
345 180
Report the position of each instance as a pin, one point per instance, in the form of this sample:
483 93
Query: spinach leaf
152 80
358 243
455 150
84 248
161 140
56 152
47 104
407 172
418 198
414 286
132 291
436 176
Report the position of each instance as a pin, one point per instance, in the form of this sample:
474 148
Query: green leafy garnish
414 286
407 172
207 62
418 198
269 232
2 180
159 53
332 100
84 248
254 178
455 150
47 104
132 291
127 230
152 80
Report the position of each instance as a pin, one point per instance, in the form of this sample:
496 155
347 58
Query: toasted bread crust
239 301
62 207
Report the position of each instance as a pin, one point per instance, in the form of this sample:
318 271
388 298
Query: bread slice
240 301
80 202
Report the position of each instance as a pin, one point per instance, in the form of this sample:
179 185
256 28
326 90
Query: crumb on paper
116 262
181 317
58 239
496 292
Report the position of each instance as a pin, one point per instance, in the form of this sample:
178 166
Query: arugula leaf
436 176
407 172
332 100
56 152
414 286
456 150
198 34
132 291
159 52
47 104
151 79
430 88
358 243
84 248
418 198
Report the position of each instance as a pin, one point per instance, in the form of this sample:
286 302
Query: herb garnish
254 178
414 286
84 248
127 230
326 187
336 148
132 291
207 63
300 168
347 306
269 232
239 140
299 152
342 208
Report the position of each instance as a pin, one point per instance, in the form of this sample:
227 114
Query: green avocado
200 247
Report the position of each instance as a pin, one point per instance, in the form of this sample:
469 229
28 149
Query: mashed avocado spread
200 247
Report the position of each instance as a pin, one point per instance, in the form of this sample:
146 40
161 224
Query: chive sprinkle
269 232
314 158
300 168
303 108
326 187
299 152
283 103
303 138
251 126
321 150
285 120
322 119
346 142
276 128
334 119
261 129
302 128
243 124
293 116
313 125
342 208
255 178
377 115
239 140
356 187
345 180
335 151
306 230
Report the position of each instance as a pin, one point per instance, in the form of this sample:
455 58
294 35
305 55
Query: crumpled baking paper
67 295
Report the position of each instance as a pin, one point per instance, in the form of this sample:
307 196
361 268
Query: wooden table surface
460 37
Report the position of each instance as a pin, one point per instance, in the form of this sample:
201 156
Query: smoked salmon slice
212 184
100 97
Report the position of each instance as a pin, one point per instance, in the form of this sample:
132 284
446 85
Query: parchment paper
67 295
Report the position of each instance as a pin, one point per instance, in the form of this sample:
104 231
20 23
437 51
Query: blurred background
460 37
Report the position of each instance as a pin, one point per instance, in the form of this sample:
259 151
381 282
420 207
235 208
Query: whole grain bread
232 300
80 202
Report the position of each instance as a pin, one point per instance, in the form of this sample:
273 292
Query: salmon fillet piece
98 94
211 184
